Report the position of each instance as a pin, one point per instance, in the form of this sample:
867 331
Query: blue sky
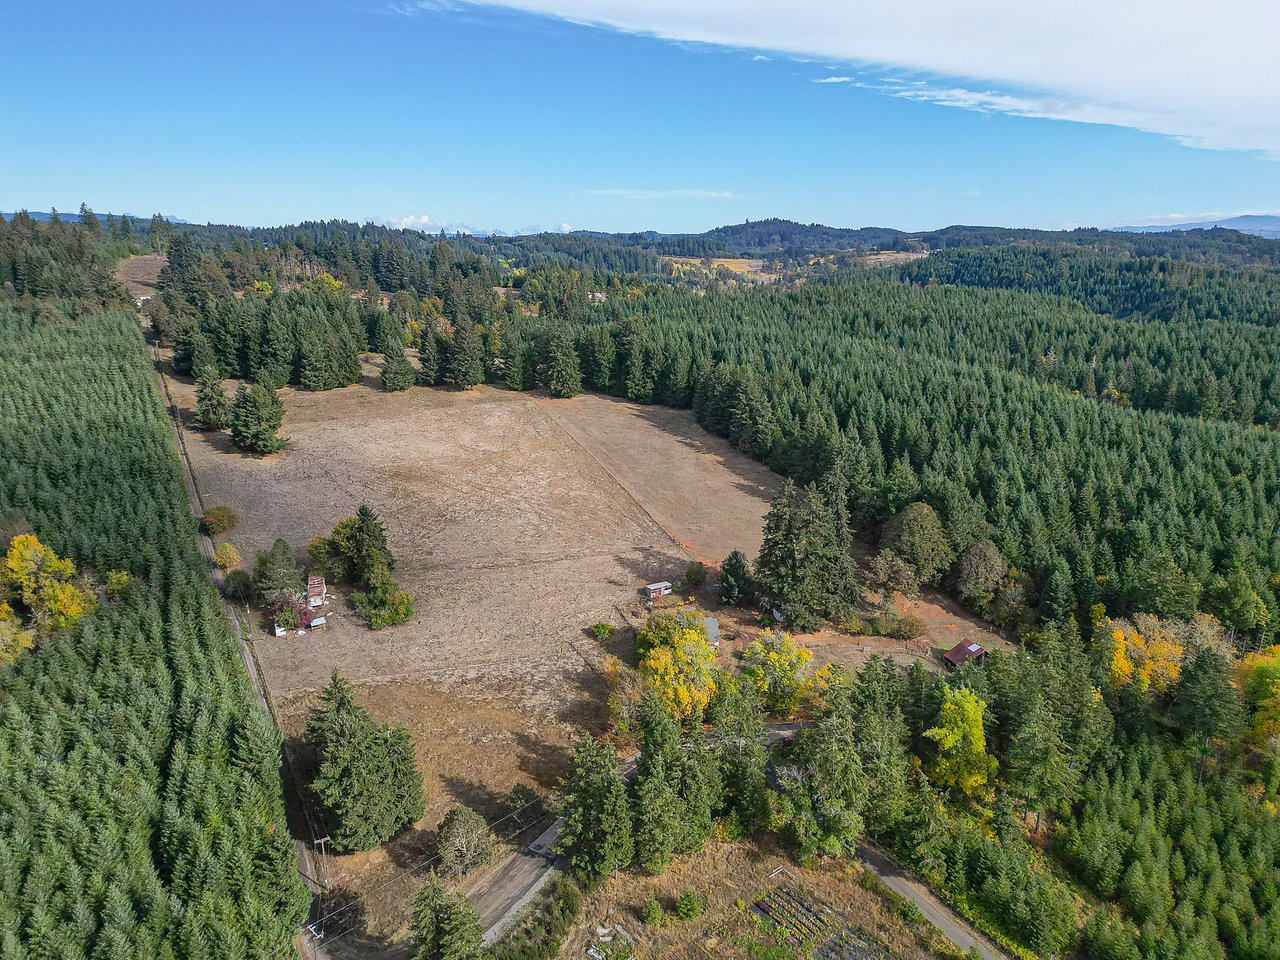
655 117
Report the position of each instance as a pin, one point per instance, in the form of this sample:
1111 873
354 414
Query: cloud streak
1200 73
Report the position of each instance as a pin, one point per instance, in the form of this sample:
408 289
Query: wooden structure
963 652
317 593
655 590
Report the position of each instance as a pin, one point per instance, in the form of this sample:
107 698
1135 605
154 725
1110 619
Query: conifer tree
213 406
397 372
429 354
367 779
464 362
444 925
596 838
560 371
804 568
1038 766
256 416
658 814
735 579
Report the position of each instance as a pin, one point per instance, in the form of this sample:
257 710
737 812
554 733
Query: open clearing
140 275
517 522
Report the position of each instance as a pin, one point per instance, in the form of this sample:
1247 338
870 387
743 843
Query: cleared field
510 536
730 877
140 274
744 267
704 493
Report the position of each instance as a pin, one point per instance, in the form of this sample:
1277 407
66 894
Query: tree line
141 804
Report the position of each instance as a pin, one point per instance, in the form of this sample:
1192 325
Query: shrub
219 520
226 556
287 618
542 931
906 628
853 624
910 912
603 631
652 913
119 583
695 575
689 906
465 841
238 585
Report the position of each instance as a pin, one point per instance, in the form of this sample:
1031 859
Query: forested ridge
1158 288
140 801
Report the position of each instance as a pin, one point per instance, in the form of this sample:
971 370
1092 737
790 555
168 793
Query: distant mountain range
1257 224
74 215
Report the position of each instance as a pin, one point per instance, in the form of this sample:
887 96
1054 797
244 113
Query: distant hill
74 215
1257 224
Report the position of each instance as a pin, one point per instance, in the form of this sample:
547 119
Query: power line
407 873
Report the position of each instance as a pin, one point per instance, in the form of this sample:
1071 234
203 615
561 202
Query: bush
910 912
695 575
238 585
465 841
652 913
689 906
541 932
119 583
906 628
287 618
603 631
853 624
226 556
219 520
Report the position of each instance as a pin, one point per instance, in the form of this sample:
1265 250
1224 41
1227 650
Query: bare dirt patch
140 275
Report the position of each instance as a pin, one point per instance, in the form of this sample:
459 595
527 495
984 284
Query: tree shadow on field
652 564
481 798
544 762
345 926
411 847
753 478
298 769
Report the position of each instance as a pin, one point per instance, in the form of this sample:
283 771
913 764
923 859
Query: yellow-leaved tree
1258 675
1146 653
679 665
34 577
961 761
780 669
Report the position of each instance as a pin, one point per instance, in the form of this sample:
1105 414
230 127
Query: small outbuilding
963 652
317 593
655 590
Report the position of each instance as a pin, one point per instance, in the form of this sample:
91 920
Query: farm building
963 652
655 590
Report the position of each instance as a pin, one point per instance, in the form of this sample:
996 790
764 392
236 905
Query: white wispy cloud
1201 73
834 80
632 193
